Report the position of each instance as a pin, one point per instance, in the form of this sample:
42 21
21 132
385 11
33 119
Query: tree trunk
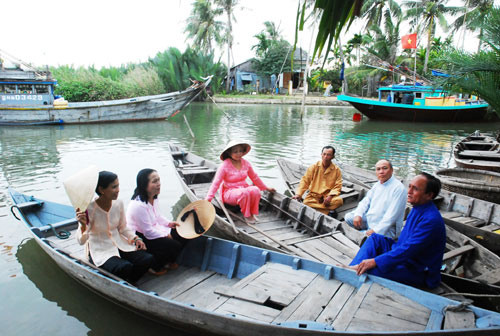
428 51
229 49
480 40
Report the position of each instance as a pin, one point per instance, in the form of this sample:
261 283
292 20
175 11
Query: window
10 88
41 89
418 95
25 88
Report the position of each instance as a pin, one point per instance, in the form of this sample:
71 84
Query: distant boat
227 288
478 151
417 104
27 98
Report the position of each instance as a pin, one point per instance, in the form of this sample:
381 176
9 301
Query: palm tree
202 26
228 6
374 10
473 20
269 35
427 14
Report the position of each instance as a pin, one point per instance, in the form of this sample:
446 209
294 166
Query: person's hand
139 244
173 225
271 190
81 217
327 200
365 266
357 222
297 197
369 232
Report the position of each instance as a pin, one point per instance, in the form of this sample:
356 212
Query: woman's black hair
105 179
141 189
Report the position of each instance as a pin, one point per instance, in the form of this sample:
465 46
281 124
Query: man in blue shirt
383 208
415 259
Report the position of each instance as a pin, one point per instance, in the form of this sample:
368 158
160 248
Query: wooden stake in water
189 127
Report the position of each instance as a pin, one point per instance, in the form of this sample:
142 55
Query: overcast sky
112 32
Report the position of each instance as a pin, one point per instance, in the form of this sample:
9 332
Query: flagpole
415 69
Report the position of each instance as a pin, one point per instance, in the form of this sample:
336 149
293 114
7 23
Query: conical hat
81 187
206 216
233 143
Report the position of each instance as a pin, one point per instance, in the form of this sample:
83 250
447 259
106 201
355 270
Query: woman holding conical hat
144 217
232 175
103 230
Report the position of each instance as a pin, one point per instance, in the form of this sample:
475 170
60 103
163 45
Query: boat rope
62 234
13 213
473 295
462 306
213 101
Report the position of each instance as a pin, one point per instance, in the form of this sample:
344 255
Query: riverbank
279 99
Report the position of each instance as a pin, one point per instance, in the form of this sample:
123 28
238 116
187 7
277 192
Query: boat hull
156 107
377 110
478 151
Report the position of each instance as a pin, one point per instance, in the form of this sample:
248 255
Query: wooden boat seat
59 225
30 204
479 154
492 277
457 252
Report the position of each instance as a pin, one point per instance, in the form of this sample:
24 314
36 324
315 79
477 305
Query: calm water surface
37 298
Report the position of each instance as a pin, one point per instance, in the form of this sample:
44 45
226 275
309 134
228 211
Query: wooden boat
27 98
227 288
464 257
475 183
284 224
417 104
478 151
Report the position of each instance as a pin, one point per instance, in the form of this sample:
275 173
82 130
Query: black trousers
130 266
165 250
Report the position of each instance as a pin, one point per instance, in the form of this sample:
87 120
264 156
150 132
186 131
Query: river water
37 298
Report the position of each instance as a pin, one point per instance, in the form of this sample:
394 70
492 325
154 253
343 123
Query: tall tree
374 10
203 28
474 18
426 14
269 35
228 7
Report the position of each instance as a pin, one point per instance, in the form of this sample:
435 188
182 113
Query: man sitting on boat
324 182
415 259
382 210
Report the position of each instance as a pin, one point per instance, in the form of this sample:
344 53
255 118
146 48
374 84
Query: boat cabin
421 96
25 88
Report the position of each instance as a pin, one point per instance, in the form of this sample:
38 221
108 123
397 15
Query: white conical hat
233 143
205 212
81 187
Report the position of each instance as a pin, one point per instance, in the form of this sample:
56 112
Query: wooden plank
344 318
372 319
321 251
249 310
491 227
451 214
346 241
310 302
248 293
177 288
457 251
459 320
469 221
336 304
203 294
492 277
350 252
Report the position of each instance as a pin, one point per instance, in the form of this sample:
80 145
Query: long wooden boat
227 288
464 257
27 98
417 104
478 151
475 183
284 225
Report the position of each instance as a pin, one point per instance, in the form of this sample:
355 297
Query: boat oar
283 245
223 207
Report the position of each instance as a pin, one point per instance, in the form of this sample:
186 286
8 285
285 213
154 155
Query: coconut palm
374 10
203 28
474 18
426 14
228 7
269 35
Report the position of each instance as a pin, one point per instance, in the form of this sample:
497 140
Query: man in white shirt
382 210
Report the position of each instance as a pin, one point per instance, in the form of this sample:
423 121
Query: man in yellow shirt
324 182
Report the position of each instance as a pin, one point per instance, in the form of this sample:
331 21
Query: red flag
409 41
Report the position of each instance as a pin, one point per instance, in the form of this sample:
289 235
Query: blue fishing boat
27 98
226 288
418 104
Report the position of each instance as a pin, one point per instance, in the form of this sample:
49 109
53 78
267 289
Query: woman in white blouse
143 216
109 244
